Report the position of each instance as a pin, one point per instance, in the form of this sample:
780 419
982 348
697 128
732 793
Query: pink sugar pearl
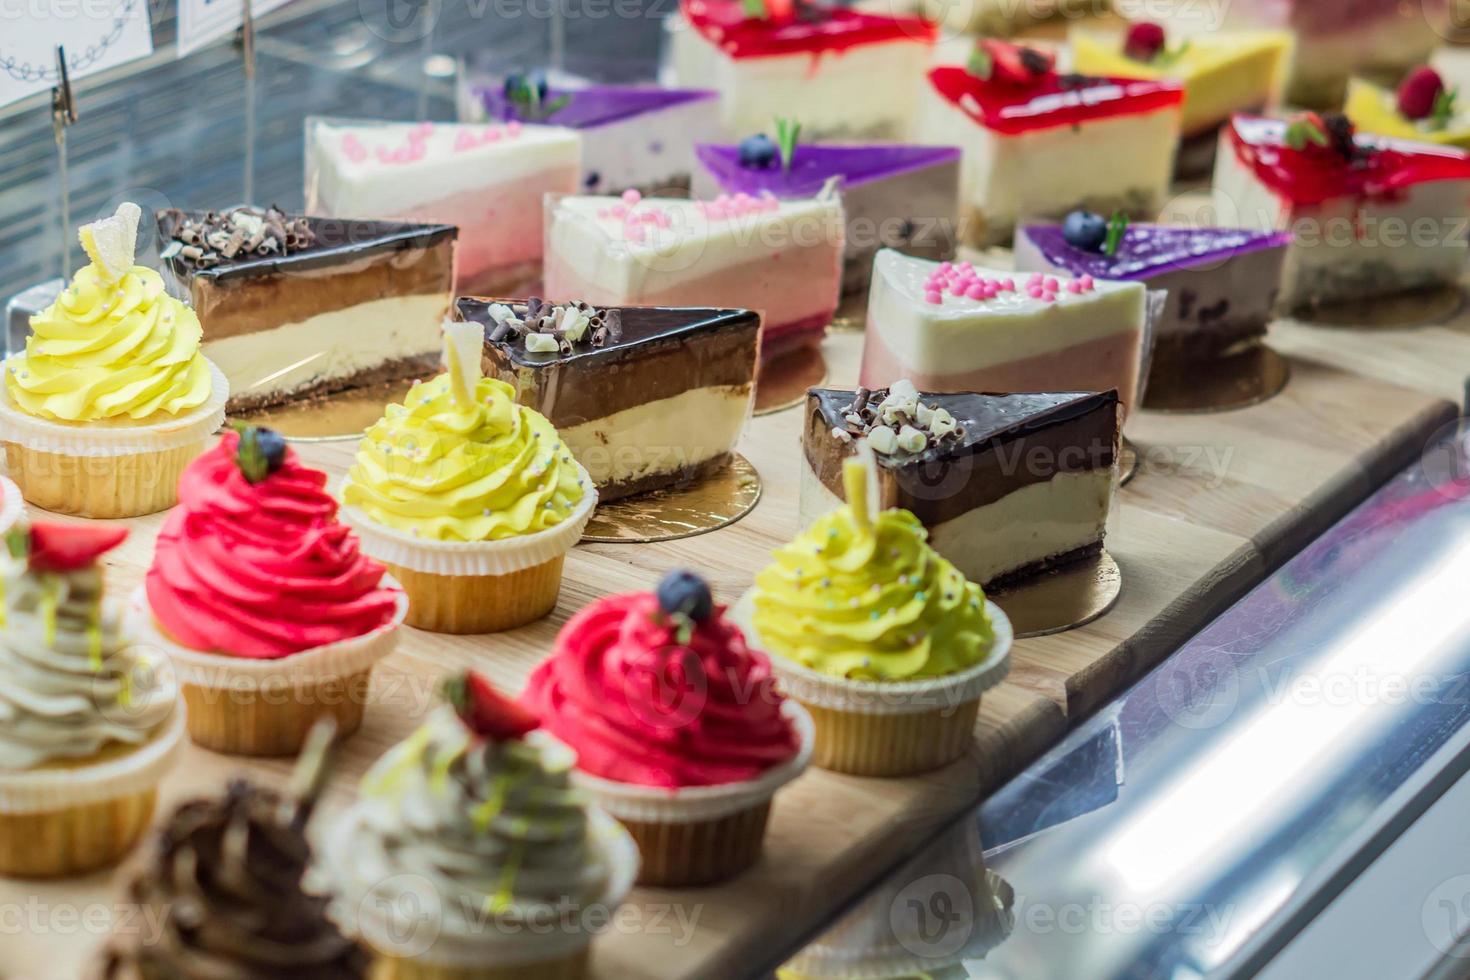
1075 286
934 296
1008 285
975 291
631 197
1035 292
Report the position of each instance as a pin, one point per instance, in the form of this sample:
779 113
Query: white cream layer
1047 172
1029 525
585 235
339 186
329 346
661 436
962 334
865 89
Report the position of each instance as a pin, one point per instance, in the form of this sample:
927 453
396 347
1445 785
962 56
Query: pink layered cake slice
1038 143
1369 216
488 179
838 70
950 327
783 258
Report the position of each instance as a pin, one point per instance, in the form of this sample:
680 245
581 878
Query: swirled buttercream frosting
226 894
865 597
72 684
114 345
647 699
261 568
461 462
492 826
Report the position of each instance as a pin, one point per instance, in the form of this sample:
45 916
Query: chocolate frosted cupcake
227 889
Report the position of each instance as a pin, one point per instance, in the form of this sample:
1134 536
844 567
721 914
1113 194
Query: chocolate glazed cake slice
645 397
1009 486
296 306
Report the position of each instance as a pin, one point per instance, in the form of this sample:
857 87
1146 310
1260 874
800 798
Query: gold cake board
1232 381
1063 598
716 501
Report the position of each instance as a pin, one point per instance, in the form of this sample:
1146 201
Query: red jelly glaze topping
1315 174
640 707
1052 100
805 28
261 570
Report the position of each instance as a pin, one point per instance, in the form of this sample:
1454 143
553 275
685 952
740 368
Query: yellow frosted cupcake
882 639
89 723
111 398
471 500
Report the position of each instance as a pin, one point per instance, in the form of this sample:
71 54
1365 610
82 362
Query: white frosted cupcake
471 855
91 723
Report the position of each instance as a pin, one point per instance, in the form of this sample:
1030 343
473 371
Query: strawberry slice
1011 64
71 547
485 711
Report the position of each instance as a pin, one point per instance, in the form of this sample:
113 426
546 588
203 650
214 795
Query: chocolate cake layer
349 263
400 369
1026 573
662 352
1007 442
677 479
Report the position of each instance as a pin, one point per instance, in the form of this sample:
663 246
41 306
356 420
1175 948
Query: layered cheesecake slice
1422 109
951 327
893 196
1369 216
781 258
1220 284
840 71
1223 74
1038 143
294 306
488 179
1008 485
645 398
633 136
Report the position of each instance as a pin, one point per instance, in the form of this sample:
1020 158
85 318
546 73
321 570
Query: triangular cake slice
1009 485
633 136
893 196
646 398
294 306
1221 283
959 327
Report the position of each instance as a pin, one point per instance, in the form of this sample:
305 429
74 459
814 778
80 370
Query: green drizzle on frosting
865 597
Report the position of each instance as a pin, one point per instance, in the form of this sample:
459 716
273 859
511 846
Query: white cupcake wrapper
656 804
115 438
887 697
471 557
371 917
50 789
216 671
11 504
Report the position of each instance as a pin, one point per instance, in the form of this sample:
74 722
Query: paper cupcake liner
573 966
420 942
818 690
266 707
12 505
465 604
101 439
657 804
45 790
74 840
681 855
471 557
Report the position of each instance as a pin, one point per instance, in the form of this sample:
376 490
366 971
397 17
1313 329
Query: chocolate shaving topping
895 420
238 233
543 327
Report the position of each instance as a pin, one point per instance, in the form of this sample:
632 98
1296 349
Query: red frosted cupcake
678 727
271 614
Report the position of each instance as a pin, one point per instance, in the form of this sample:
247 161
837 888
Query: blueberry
1085 230
593 180
522 87
687 593
758 151
272 446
